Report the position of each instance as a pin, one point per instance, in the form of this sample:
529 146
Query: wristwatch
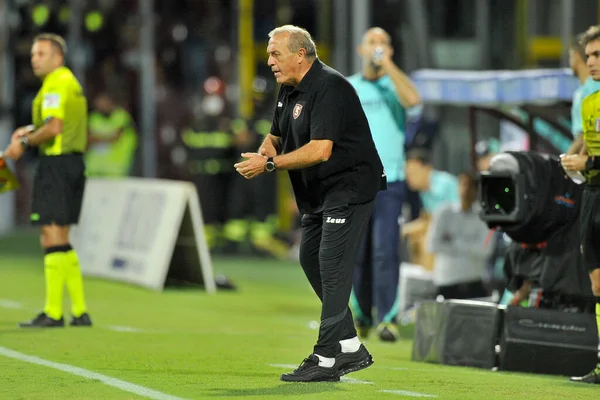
270 165
24 141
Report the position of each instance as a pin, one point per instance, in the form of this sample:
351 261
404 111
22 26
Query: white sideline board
141 231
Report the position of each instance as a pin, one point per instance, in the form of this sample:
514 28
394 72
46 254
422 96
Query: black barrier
484 335
548 342
457 332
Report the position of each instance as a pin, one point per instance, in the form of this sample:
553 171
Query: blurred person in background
421 134
484 151
456 237
209 143
435 189
386 93
59 130
112 140
252 209
588 161
587 86
321 135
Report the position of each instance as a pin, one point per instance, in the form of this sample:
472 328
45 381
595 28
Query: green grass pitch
232 345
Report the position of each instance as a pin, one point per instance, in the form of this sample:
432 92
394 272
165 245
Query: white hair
299 38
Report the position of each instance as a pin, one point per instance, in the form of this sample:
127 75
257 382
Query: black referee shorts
58 190
590 227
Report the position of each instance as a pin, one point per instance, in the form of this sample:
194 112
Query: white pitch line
286 366
15 305
118 328
355 381
408 394
107 380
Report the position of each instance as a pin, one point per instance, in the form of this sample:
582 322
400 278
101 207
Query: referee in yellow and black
588 162
59 130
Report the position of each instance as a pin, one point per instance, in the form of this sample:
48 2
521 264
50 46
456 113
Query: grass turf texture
189 344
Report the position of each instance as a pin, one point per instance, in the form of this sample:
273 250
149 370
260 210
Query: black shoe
309 371
83 320
388 332
223 283
352 362
43 321
593 377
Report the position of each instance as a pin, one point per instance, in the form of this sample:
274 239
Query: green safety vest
209 152
116 158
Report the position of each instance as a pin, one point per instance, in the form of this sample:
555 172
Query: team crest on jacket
297 110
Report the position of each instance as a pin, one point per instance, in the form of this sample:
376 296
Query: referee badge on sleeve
597 125
51 100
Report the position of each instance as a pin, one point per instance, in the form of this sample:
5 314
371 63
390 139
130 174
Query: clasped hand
15 150
253 166
573 162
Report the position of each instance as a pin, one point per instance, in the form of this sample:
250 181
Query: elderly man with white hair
321 136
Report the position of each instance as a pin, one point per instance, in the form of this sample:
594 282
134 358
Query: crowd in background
200 135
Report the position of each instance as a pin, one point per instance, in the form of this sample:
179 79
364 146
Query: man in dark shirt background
321 135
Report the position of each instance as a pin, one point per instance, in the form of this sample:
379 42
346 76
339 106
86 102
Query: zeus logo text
335 220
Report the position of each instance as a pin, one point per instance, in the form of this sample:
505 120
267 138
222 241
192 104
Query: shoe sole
354 367
321 379
582 382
